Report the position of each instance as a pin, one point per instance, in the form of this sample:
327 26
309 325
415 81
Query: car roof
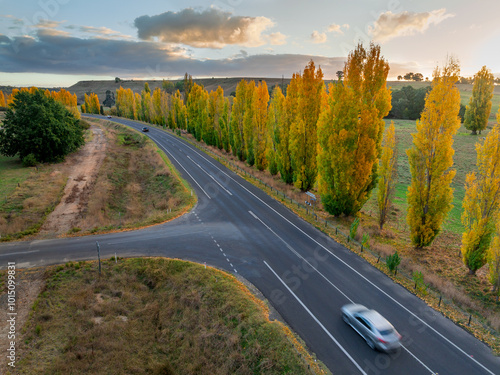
376 319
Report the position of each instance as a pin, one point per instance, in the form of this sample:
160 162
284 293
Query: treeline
62 96
290 134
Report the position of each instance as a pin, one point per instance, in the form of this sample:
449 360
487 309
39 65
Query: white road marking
317 320
418 360
19 253
209 175
301 257
342 261
357 272
189 174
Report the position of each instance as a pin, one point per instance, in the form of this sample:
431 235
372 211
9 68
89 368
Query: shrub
420 285
393 262
29 160
354 228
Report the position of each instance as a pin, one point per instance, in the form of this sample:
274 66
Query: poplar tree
2 100
387 175
290 108
260 102
431 157
479 107
481 204
275 124
236 124
350 131
303 134
248 125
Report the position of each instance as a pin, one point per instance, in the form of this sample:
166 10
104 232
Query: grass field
153 316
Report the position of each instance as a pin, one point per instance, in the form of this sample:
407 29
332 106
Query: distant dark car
109 116
373 327
145 129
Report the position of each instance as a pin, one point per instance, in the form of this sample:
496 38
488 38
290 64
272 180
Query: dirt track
82 167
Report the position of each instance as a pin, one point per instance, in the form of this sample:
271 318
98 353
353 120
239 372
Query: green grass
464 162
12 173
153 316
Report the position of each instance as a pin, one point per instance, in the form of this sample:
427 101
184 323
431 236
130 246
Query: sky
55 43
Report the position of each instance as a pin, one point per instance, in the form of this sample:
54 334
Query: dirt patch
83 168
29 283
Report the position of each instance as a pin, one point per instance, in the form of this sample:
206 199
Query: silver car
373 327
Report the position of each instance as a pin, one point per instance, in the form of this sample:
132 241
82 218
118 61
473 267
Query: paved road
305 275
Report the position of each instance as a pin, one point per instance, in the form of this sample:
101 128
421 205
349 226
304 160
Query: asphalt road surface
304 274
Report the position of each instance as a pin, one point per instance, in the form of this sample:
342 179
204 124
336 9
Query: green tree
431 157
481 204
350 131
40 126
479 107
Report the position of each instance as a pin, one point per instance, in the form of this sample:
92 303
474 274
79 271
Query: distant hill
210 84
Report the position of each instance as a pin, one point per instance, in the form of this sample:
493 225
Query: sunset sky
59 42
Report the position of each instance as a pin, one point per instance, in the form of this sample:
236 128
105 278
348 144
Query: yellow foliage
2 100
482 201
431 157
388 174
261 99
350 130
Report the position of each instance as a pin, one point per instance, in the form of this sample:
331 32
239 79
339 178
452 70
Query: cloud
47 24
334 28
61 54
47 52
211 28
318 37
390 25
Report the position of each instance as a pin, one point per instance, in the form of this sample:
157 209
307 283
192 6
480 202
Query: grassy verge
154 316
136 185
28 196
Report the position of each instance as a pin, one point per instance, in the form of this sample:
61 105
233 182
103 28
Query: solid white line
189 174
358 273
301 257
193 149
316 320
418 360
209 175
20 253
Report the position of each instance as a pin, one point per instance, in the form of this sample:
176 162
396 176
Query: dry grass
23 211
152 316
135 187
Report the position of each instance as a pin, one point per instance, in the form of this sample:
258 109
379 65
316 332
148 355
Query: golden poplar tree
237 119
387 174
290 109
479 107
3 103
350 131
481 204
275 124
248 125
431 157
303 134
138 106
92 103
260 102
156 108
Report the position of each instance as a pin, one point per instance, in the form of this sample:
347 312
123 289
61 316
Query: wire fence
467 319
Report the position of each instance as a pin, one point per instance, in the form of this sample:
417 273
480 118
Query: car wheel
370 343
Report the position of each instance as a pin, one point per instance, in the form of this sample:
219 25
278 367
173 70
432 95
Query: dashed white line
317 320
